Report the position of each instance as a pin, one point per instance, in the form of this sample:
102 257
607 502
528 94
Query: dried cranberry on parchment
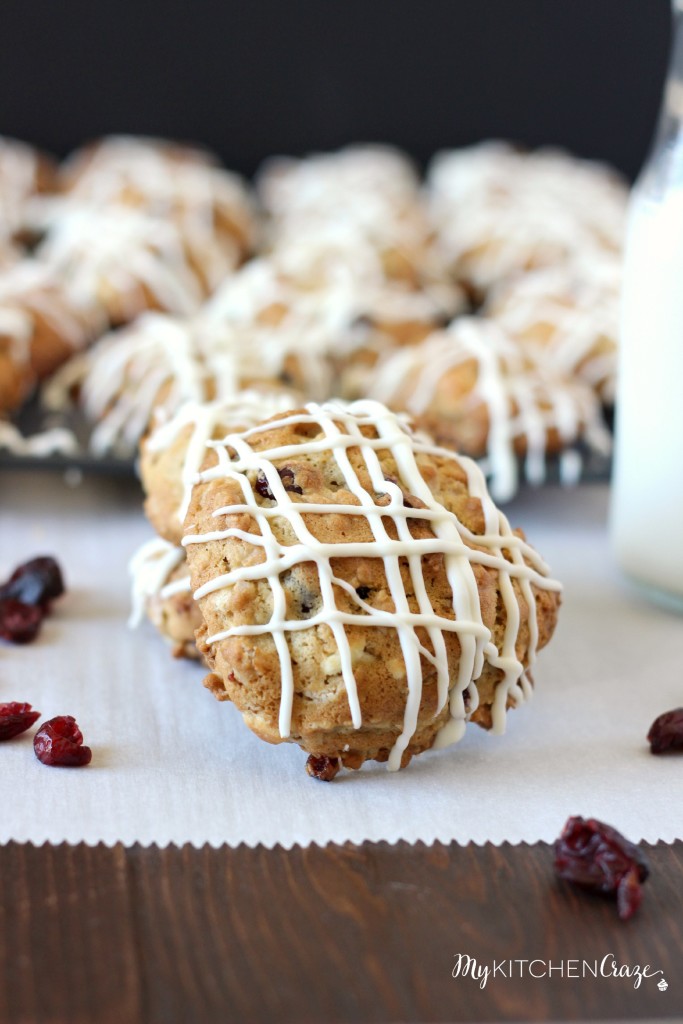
666 732
16 718
36 582
25 598
59 743
19 622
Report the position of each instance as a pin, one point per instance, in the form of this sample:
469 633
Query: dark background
255 77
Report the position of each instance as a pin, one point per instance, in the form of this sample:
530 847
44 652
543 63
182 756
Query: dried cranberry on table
16 718
597 857
59 743
19 622
666 732
36 582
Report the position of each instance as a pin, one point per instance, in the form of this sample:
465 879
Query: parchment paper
170 764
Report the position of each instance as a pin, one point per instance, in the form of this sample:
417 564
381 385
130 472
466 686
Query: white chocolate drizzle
57 441
340 430
522 400
499 212
160 362
153 563
568 316
209 205
150 568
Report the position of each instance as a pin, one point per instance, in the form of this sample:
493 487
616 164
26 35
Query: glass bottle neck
664 166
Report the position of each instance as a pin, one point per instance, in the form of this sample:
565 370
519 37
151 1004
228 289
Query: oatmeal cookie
159 362
210 206
474 390
123 259
361 594
368 195
41 326
177 448
568 317
499 212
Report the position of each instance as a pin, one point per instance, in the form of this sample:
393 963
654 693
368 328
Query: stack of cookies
350 585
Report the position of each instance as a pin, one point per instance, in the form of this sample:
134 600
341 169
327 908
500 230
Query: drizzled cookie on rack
568 317
210 207
264 327
500 212
361 594
476 391
42 324
160 362
362 195
125 260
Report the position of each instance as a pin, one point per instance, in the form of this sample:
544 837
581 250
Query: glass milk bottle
647 496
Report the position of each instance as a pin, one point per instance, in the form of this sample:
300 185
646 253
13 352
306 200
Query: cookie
361 594
211 207
475 391
370 194
499 212
158 363
125 260
41 326
568 317
176 449
170 460
125 153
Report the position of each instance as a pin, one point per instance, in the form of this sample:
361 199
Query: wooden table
92 935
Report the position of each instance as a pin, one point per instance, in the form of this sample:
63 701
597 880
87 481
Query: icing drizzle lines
522 400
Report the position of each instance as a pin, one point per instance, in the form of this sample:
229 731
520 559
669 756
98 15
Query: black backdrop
255 77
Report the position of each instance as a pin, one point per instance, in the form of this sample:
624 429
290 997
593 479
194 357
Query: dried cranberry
323 767
15 719
363 592
36 582
19 622
286 474
289 480
597 857
59 743
666 732
262 487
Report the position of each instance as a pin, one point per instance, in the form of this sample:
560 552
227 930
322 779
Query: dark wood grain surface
340 934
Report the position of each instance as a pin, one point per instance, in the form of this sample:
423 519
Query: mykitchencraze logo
468 967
